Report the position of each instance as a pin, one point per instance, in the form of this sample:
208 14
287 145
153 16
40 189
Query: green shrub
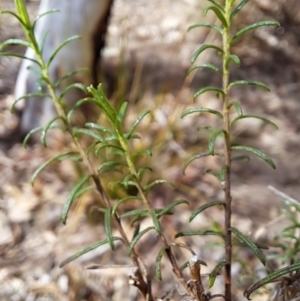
111 137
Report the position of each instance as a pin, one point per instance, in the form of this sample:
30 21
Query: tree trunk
87 18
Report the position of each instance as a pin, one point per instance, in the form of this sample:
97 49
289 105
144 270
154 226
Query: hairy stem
227 152
150 209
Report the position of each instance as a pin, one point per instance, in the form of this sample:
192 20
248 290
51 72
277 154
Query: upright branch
28 28
225 12
227 151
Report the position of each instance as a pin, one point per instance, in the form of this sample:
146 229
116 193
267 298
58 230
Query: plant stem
137 261
150 209
227 152
142 286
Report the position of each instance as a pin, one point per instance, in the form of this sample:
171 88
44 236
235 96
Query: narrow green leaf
202 262
87 249
206 66
191 159
126 184
100 209
168 208
27 137
137 122
92 147
251 83
204 47
233 58
136 239
254 116
43 41
15 42
211 143
223 173
77 105
45 164
184 265
142 169
87 132
78 86
266 120
238 8
116 149
72 196
122 111
252 27
47 127
213 173
135 222
246 240
199 232
41 80
100 128
129 177
292 227
156 182
38 72
214 273
158 263
136 229
271 277
201 110
237 107
72 156
105 105
136 212
67 41
121 201
187 264
213 26
207 89
110 165
240 158
108 229
219 13
51 11
23 57
216 226
256 152
29 95
134 136
290 236
84 190
204 207
69 75
2 12
217 4
140 152
241 244
155 221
